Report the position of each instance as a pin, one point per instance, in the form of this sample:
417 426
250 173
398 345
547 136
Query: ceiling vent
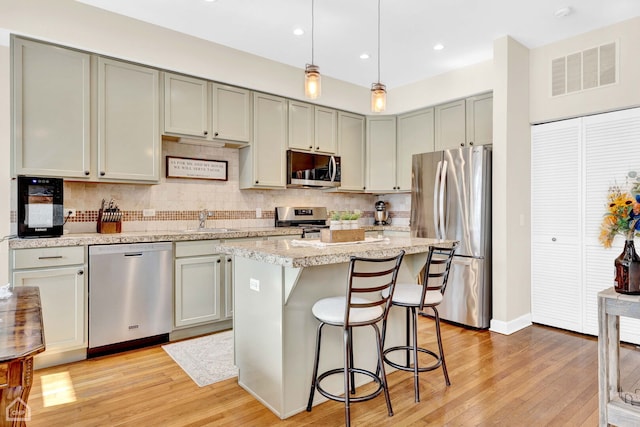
591 68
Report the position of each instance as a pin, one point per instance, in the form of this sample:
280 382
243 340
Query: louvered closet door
556 225
612 149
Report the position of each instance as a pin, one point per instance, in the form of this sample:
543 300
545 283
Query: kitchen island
275 285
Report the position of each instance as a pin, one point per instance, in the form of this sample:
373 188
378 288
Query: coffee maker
381 215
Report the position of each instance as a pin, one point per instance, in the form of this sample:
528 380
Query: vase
335 224
628 270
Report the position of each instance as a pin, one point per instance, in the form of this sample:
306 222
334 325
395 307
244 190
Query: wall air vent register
588 69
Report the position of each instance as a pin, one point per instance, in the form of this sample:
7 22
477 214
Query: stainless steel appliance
130 296
381 215
451 199
40 206
311 170
310 219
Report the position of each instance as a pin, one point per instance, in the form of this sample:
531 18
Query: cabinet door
128 131
556 225
381 154
269 142
415 135
351 149
63 299
231 113
228 287
197 290
185 105
325 130
450 125
301 126
479 119
51 110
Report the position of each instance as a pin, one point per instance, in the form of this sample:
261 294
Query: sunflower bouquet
623 212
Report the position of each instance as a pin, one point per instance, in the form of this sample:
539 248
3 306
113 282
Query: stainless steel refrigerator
451 199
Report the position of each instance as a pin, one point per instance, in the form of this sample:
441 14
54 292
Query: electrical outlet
254 285
68 212
148 212
258 213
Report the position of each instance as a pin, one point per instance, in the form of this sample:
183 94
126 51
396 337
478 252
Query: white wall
624 94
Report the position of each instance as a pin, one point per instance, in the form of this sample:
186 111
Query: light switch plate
258 212
148 212
254 285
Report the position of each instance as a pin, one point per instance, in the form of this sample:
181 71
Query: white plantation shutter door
556 218
612 149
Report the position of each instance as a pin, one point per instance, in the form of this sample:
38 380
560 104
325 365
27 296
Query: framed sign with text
184 167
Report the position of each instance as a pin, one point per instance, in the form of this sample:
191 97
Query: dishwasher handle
133 254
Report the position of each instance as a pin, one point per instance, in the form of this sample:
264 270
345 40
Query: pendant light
312 84
378 90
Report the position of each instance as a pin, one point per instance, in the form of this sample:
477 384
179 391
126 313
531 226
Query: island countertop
301 253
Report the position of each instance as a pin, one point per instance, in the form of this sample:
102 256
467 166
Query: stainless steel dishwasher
130 296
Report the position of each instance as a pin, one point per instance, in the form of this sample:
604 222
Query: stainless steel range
309 219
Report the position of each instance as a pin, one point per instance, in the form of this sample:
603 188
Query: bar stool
412 297
364 305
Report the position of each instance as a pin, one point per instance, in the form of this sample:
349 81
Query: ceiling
343 30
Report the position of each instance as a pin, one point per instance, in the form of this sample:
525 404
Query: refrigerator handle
443 181
436 217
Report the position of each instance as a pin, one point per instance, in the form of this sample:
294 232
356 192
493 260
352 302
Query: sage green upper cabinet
51 110
479 119
381 154
465 122
415 135
450 126
231 118
128 122
351 149
185 105
263 163
205 110
312 128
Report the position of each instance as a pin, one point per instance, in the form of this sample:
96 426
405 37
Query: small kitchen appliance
40 206
381 215
312 170
310 220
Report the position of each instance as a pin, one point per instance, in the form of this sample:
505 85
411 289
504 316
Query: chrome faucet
202 216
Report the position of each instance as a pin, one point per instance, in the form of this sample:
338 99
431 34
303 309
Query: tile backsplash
176 202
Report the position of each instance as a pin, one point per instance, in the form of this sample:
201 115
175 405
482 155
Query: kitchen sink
210 230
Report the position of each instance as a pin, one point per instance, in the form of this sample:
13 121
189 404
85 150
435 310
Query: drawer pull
50 257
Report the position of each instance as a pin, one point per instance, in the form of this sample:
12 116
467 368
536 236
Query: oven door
311 170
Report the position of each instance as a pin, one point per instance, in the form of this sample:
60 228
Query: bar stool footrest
405 348
340 398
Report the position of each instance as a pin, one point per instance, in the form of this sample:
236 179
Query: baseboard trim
511 326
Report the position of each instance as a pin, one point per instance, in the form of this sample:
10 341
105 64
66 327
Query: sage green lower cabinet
59 273
197 283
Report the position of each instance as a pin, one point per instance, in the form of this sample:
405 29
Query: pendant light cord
312 28
378 41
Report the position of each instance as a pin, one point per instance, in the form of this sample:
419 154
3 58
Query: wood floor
538 376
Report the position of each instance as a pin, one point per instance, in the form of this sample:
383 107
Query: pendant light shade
312 83
378 90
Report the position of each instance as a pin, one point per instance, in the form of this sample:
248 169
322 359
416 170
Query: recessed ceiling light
210 1
364 56
438 46
562 12
298 31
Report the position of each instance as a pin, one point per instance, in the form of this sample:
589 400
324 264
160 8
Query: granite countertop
82 239
289 254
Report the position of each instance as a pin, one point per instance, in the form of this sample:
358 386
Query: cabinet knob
205 132
80 272
102 173
462 144
228 259
86 173
218 261
215 134
470 142
317 148
257 182
553 239
310 147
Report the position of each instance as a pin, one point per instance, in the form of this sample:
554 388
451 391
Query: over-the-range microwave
312 170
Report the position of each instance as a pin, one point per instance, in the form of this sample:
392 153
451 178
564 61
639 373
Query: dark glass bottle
628 270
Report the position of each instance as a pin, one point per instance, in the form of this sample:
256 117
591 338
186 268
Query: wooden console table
21 337
613 409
